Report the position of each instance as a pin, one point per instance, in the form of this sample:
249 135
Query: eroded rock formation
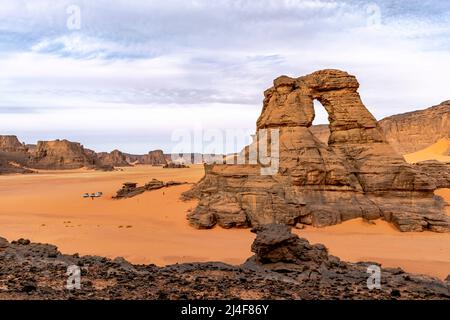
14 155
358 174
62 154
131 189
155 158
114 158
438 171
408 132
11 144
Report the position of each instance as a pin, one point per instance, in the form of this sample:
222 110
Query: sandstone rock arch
358 174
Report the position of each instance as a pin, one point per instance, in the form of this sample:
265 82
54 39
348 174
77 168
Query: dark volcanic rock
284 267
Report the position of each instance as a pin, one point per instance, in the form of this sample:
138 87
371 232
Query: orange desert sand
152 228
439 151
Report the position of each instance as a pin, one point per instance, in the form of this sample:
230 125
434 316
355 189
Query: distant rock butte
114 158
62 154
11 144
155 157
358 174
408 132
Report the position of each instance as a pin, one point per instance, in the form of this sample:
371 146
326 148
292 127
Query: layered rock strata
114 158
62 154
408 132
438 171
357 174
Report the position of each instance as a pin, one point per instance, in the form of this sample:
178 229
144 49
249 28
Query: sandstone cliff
438 171
11 144
358 174
13 155
114 158
62 154
155 157
408 132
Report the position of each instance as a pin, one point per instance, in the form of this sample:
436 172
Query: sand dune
152 227
439 151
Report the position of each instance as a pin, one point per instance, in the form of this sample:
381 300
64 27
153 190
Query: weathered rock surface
172 165
155 158
11 144
284 267
438 171
408 132
7 168
62 154
14 155
114 158
358 174
131 189
414 131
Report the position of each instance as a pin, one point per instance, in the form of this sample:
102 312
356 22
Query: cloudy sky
134 71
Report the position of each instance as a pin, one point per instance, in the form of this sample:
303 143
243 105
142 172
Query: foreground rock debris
358 174
284 267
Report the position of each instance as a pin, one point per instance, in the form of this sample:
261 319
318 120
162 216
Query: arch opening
320 125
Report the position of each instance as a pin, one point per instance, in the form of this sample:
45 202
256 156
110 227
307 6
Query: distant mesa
356 174
114 158
17 157
155 158
61 154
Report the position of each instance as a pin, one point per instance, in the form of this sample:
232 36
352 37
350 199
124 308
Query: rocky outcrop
438 171
131 189
114 158
358 174
13 151
408 132
62 154
413 131
154 158
172 165
8 168
11 144
284 267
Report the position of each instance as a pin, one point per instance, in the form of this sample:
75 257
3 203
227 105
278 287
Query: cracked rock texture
357 174
284 267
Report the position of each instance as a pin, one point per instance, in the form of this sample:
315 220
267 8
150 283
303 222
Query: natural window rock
358 174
